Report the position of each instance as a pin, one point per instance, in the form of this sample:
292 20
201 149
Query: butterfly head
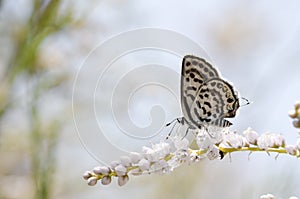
232 108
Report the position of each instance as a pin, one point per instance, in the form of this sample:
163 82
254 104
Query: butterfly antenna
246 100
168 124
175 120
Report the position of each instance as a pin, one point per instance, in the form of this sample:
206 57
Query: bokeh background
63 112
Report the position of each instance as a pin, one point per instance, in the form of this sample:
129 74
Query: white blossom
234 140
160 167
265 141
144 164
87 175
125 161
106 180
120 170
293 114
267 196
251 136
92 181
122 180
245 142
157 151
114 163
101 170
135 157
291 149
180 143
194 157
213 152
202 140
279 140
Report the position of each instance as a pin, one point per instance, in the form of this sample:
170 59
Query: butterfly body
206 99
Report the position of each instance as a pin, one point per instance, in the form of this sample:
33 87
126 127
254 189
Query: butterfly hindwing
205 97
214 101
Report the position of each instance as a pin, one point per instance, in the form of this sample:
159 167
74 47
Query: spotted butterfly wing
205 97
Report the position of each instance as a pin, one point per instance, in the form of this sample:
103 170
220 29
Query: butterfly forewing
205 97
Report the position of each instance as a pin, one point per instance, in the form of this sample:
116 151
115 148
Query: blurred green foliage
45 20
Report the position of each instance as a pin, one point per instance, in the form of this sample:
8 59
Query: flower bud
125 161
101 170
144 164
87 175
122 180
251 136
92 181
291 149
120 170
106 180
135 157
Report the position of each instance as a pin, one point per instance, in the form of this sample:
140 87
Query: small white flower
144 164
120 170
245 142
122 180
234 140
125 161
182 155
293 114
212 152
150 154
293 197
291 149
135 157
215 133
279 140
101 170
136 172
267 196
203 140
114 163
92 181
251 136
157 152
106 180
265 141
162 148
194 157
165 168
296 123
87 175
180 143
160 167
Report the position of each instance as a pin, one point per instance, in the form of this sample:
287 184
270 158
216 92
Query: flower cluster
160 158
213 142
271 196
251 141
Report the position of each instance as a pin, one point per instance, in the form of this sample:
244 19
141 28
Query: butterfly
206 99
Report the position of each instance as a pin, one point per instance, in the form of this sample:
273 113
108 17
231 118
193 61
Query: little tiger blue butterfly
206 99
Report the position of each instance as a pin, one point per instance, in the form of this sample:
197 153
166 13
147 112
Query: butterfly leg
179 120
186 132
